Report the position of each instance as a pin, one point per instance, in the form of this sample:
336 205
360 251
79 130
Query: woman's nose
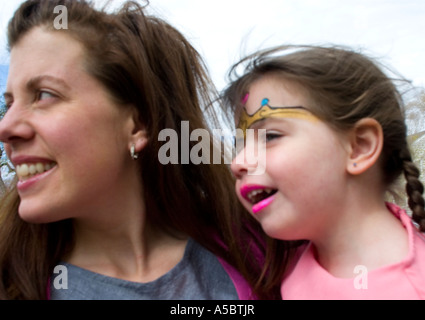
15 125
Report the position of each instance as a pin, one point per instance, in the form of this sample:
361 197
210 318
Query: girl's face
303 181
65 137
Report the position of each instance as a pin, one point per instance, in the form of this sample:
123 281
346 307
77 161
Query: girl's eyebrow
259 124
246 120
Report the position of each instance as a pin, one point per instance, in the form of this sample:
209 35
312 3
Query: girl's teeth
259 194
26 170
253 193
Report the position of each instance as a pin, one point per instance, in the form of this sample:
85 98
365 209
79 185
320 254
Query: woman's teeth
27 170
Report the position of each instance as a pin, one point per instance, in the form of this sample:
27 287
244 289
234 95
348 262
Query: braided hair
346 86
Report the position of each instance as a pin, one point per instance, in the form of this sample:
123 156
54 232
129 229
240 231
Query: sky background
225 30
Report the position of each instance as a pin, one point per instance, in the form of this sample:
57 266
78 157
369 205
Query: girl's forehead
266 111
278 91
273 97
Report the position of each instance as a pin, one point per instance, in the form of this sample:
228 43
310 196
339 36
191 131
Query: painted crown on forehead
266 111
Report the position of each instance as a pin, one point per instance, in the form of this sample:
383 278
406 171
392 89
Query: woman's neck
127 247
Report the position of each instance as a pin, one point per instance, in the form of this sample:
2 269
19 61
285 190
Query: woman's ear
138 133
366 142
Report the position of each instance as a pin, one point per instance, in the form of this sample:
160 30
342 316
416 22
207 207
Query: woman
85 107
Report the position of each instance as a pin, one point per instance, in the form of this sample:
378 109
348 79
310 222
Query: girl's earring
355 164
133 153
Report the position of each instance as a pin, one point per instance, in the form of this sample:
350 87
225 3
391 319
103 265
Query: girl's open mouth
259 196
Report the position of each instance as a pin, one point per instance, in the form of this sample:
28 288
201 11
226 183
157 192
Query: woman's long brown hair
146 64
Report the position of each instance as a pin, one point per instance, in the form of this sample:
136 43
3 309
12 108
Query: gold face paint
266 111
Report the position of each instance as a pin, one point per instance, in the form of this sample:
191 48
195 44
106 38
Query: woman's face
66 138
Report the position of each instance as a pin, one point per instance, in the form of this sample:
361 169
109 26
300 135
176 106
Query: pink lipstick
259 196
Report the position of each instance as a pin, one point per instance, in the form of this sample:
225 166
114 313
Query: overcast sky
225 30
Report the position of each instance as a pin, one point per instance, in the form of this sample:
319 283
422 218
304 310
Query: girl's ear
366 142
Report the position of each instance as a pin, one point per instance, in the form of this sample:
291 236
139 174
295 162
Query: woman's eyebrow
34 82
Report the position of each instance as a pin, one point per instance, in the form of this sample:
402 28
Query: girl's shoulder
242 287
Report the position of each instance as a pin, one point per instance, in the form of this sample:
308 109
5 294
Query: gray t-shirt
199 275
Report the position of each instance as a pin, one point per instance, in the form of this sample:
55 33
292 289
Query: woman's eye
7 106
42 95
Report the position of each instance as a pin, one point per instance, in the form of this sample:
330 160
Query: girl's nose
245 164
238 165
250 156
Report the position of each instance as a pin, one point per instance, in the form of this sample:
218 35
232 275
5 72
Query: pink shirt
403 280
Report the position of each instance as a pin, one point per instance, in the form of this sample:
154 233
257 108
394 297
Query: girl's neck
368 235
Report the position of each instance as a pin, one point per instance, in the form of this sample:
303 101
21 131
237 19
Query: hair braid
414 189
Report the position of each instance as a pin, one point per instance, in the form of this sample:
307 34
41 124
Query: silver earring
133 153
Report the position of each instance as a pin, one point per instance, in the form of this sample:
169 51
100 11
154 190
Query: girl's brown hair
147 64
345 87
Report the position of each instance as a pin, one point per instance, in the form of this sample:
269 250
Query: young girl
335 140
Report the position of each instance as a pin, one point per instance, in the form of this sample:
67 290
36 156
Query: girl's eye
270 135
